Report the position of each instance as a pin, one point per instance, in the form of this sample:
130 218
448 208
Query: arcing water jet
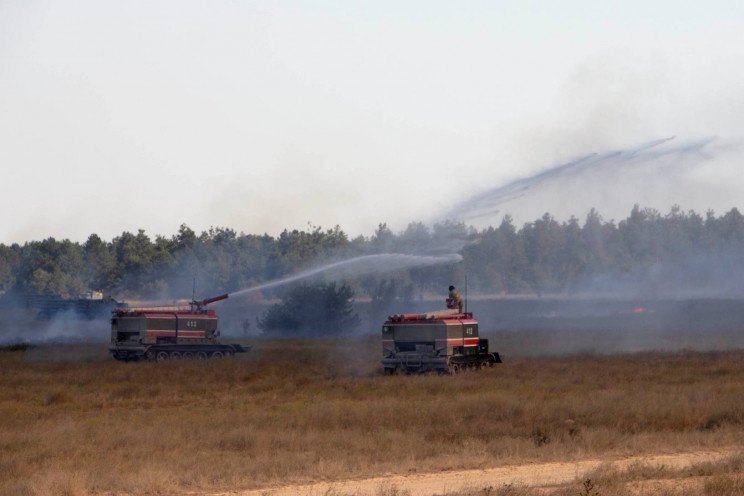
359 266
489 202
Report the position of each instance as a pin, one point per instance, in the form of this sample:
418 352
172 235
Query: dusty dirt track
529 475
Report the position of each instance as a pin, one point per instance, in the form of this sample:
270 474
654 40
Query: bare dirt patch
487 481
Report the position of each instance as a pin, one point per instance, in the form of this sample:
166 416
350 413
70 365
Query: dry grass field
304 411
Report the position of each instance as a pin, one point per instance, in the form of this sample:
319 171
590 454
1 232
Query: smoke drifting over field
22 326
698 276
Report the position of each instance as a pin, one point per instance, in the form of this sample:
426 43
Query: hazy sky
265 115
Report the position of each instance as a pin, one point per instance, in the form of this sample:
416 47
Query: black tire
217 355
188 355
162 356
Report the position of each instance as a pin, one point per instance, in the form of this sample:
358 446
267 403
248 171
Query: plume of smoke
21 326
719 276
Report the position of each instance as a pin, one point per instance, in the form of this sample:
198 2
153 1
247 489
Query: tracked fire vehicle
446 341
169 333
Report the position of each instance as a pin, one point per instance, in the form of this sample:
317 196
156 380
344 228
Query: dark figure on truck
456 299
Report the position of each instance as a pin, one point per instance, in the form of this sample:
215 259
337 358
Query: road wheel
201 355
455 368
187 355
218 355
150 355
161 356
175 355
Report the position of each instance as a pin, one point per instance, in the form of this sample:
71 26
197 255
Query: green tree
593 237
10 264
52 267
415 239
512 259
572 258
543 243
383 239
312 310
100 263
732 228
642 234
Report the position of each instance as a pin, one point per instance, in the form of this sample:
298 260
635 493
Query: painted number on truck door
191 323
469 331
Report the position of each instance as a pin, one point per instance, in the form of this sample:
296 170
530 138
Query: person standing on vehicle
456 298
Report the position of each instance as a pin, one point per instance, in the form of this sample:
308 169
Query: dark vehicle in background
91 305
444 341
169 333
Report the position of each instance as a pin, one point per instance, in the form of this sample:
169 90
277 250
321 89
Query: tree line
540 257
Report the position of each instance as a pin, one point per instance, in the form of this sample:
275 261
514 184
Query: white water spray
648 154
360 266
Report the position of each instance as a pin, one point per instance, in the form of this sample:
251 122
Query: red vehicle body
168 333
444 341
